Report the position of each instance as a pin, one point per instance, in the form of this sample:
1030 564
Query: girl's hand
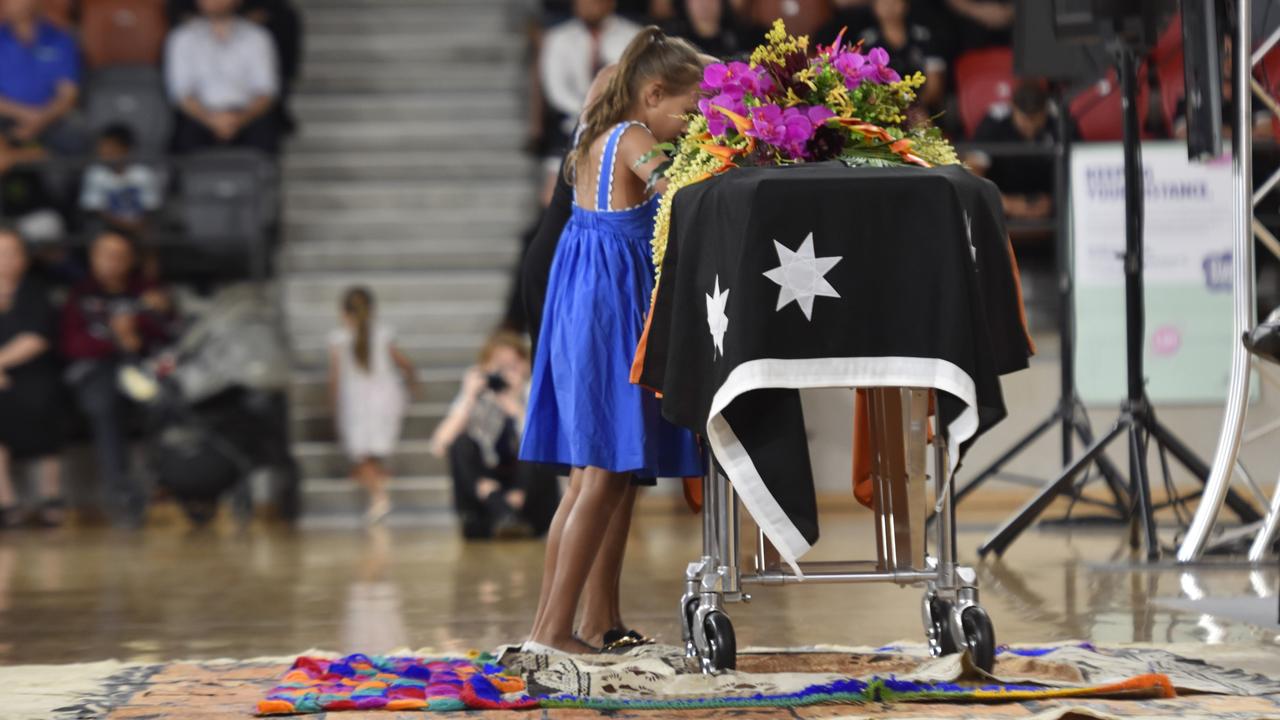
474 383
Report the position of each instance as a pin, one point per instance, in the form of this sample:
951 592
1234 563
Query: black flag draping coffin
784 278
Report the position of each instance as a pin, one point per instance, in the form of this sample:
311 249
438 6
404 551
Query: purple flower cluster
857 68
726 86
790 129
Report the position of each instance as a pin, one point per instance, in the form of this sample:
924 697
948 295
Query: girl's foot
379 508
571 646
52 512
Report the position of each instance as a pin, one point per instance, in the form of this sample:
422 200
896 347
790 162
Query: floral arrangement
790 105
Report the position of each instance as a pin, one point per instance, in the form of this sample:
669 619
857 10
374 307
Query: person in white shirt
115 191
576 50
221 72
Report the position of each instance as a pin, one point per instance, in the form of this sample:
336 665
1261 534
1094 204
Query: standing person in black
30 384
535 268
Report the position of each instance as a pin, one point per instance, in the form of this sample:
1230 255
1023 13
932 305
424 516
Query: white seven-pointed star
801 276
716 318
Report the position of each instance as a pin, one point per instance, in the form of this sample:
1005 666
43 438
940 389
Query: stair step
440 226
420 421
389 287
408 165
341 495
314 321
463 104
410 77
326 459
424 350
309 390
394 45
393 196
401 255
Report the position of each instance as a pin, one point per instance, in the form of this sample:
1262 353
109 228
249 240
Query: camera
497 383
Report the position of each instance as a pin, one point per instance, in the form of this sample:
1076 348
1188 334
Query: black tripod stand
1069 413
1137 418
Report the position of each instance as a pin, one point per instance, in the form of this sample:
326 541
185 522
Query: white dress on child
371 402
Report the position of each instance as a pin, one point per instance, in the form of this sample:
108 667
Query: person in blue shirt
39 80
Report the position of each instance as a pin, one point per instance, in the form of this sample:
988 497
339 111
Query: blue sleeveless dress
583 409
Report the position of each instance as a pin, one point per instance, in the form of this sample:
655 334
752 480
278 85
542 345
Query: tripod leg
1185 455
1009 454
1028 513
1109 471
1142 490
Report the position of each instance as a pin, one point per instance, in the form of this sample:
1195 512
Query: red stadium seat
1172 83
984 78
1097 111
122 32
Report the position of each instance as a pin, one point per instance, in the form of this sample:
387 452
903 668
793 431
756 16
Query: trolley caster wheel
980 637
689 615
722 645
940 616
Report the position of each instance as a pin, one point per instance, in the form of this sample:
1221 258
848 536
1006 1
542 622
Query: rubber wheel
940 610
980 636
723 644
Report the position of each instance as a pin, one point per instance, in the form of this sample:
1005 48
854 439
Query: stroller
217 410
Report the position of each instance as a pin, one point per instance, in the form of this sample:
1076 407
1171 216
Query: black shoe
475 527
507 523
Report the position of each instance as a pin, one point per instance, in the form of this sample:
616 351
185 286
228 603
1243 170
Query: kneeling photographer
494 493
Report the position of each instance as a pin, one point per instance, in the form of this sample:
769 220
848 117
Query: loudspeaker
1202 68
1038 51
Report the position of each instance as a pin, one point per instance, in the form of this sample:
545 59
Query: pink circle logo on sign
1166 340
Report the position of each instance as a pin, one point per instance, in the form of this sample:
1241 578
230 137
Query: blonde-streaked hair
503 339
651 55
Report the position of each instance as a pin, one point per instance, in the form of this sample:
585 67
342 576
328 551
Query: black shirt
1020 175
30 312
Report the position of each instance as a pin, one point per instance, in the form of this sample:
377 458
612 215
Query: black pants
467 466
108 412
262 133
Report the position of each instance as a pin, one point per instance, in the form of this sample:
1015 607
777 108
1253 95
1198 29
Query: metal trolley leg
713 579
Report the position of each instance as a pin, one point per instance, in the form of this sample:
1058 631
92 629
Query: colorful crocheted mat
360 682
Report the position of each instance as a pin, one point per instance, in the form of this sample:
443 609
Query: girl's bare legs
553 544
50 488
601 600
371 475
588 519
8 498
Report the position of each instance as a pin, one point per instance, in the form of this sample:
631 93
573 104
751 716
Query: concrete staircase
407 177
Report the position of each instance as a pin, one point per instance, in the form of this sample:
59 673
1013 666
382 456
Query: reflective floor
79 595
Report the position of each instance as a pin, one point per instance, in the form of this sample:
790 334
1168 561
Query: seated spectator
30 386
221 73
572 53
709 25
983 23
494 493
1026 183
911 48
111 320
278 17
116 192
39 81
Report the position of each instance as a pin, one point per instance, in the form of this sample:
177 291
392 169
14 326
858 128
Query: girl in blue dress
584 412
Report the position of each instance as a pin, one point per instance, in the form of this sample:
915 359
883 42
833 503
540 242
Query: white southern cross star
801 276
717 320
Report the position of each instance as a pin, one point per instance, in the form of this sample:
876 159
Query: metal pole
1224 456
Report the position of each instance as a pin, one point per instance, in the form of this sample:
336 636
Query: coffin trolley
953 619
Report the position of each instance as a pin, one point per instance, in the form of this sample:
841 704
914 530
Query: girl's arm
636 143
333 382
406 369
459 413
